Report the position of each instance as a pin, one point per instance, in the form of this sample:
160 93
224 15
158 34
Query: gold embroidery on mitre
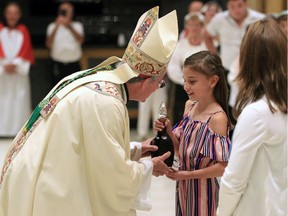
144 28
142 63
135 57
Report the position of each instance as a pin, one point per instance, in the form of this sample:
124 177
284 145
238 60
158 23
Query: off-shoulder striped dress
199 147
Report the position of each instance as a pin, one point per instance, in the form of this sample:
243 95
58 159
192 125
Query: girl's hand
179 175
168 127
159 126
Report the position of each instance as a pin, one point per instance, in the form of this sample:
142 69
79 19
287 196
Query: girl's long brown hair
263 66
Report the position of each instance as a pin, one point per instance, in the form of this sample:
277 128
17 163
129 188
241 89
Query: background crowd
65 37
228 70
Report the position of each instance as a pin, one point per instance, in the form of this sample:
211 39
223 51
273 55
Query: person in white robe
16 56
72 157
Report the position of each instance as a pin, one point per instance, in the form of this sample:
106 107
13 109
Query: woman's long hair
263 66
210 64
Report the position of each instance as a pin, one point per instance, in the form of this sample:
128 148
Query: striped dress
199 147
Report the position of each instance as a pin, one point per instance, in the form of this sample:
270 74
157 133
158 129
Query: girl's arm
215 170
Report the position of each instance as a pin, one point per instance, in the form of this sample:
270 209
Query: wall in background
104 21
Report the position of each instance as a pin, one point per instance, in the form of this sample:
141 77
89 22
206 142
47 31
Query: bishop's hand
147 148
159 167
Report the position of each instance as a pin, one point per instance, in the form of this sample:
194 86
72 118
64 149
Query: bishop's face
12 15
150 85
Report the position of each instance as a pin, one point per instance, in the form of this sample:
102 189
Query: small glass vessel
162 139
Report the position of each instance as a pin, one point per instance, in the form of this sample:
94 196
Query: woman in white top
255 180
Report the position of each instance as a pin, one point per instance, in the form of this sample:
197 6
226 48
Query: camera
62 12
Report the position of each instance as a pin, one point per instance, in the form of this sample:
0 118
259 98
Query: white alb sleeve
143 201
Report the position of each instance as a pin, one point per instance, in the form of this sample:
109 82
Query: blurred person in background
229 27
210 9
282 20
194 6
64 39
255 180
16 57
233 83
192 43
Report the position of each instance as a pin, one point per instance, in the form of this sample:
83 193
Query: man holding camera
64 39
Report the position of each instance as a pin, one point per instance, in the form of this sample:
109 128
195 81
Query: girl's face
149 87
197 86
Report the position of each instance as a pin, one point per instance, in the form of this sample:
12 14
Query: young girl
201 138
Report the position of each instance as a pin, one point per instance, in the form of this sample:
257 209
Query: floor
162 189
